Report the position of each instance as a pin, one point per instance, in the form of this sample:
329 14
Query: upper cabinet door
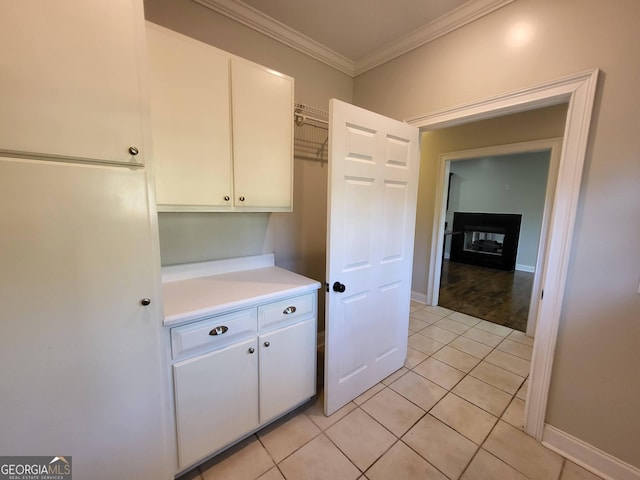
262 112
70 79
190 120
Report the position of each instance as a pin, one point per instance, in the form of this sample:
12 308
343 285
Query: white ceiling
354 35
354 28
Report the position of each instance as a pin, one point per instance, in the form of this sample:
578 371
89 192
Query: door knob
145 301
339 287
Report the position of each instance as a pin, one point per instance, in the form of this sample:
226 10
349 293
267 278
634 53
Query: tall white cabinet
71 80
80 344
222 128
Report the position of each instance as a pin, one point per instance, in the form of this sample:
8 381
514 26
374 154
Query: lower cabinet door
216 399
287 368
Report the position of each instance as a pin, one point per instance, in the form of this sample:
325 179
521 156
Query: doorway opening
579 92
492 259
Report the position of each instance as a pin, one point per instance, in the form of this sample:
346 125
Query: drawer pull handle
219 330
289 310
252 350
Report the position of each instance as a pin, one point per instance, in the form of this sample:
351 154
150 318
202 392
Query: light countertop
188 299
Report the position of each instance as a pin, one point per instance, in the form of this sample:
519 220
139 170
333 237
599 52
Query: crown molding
258 21
459 17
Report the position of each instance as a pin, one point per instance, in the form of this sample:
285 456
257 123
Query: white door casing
373 185
579 91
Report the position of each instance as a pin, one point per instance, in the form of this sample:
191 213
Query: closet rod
300 119
303 112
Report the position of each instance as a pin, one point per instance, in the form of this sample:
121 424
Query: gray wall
506 184
594 389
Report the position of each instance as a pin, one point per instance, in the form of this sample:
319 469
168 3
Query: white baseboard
525 268
418 297
586 455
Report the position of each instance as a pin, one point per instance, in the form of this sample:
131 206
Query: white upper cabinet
71 92
262 135
222 128
190 120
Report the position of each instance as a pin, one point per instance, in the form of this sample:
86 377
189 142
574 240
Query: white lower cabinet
216 399
238 377
287 368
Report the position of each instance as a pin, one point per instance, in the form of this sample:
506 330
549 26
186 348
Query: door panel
359 196
395 200
386 334
373 180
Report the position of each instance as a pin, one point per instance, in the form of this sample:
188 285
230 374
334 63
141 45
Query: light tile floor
455 411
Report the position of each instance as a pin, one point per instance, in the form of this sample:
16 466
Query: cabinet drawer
212 333
286 310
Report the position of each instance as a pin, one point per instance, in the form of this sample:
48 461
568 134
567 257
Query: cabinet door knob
252 350
145 301
133 150
289 310
241 199
267 344
227 198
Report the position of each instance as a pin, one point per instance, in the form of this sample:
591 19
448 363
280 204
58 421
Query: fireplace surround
486 239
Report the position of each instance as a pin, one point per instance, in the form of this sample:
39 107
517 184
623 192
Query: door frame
554 147
579 92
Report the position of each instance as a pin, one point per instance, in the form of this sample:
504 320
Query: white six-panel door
373 184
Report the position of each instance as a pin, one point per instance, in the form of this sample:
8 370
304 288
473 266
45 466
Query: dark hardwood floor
493 295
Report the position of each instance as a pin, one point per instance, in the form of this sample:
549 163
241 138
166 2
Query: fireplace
486 239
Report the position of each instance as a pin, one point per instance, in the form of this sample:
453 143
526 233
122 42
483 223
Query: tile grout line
483 359
479 446
322 431
358 407
499 418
